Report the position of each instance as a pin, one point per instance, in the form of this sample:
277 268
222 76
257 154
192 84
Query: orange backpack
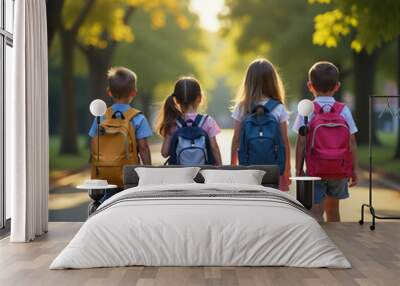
114 147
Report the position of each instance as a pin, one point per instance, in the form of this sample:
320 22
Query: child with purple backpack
331 144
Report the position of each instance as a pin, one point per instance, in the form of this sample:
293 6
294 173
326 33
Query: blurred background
215 40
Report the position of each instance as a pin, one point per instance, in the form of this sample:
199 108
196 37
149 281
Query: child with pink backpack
331 144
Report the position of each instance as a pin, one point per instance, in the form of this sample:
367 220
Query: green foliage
108 18
160 40
281 31
55 60
160 56
375 23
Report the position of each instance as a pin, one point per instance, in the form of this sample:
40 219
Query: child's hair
186 93
121 81
261 80
324 76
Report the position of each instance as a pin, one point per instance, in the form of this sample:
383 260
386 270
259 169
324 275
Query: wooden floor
375 257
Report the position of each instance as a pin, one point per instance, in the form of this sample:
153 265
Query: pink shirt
210 125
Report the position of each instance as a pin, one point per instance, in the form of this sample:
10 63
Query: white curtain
27 172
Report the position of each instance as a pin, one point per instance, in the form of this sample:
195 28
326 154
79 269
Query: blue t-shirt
139 122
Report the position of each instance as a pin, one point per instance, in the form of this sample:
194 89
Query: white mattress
184 230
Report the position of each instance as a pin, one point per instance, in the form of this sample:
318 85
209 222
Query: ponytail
186 93
168 115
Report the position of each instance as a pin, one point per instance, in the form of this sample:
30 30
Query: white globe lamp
305 107
98 107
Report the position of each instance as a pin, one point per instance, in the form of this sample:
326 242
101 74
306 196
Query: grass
67 162
382 155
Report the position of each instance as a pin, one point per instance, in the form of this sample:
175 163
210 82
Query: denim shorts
337 189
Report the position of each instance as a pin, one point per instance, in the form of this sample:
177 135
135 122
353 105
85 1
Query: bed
198 224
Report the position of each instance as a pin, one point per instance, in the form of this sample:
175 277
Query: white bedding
185 230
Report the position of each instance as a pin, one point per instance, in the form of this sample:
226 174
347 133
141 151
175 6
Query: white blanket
268 228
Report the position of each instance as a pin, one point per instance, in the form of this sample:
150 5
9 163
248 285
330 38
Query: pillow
248 177
166 176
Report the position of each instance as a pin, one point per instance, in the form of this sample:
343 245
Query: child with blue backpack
261 121
189 137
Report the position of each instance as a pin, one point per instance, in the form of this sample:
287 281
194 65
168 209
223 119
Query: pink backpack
328 144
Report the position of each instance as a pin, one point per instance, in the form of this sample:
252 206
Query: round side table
305 190
95 193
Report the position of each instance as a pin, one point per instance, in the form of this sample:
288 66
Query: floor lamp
305 109
97 108
304 184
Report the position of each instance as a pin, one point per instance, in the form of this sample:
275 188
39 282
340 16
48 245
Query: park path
66 203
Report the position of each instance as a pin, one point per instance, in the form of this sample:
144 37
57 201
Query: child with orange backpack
331 144
123 132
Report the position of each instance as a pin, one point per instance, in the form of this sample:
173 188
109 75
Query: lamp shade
98 107
305 107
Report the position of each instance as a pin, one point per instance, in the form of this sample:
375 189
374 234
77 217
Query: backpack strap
200 120
131 113
268 106
109 113
271 104
337 107
317 108
180 122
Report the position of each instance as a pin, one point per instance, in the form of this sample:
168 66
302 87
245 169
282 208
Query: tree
97 26
98 45
365 65
375 23
159 56
53 12
99 57
76 13
282 31
371 24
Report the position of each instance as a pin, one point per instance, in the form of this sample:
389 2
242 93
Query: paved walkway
69 204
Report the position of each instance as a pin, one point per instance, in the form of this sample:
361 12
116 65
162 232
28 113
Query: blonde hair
261 80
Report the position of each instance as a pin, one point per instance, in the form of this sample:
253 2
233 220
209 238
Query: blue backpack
190 144
260 138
